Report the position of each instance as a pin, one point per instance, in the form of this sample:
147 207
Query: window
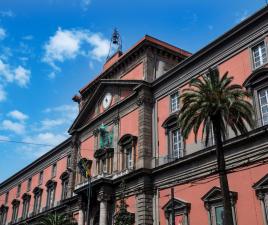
29 184
64 182
174 102
129 158
174 139
37 199
68 161
54 170
6 198
263 98
41 175
26 204
181 211
262 194
214 204
176 144
15 210
128 144
3 214
18 190
259 55
51 188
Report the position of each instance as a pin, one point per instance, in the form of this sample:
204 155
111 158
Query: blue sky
50 49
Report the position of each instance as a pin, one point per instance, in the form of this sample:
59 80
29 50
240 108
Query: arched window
213 202
51 189
175 140
3 214
37 199
257 83
26 198
128 148
64 184
15 210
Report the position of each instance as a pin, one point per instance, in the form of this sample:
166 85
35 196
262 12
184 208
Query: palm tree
214 104
56 219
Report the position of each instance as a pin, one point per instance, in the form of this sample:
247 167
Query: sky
50 49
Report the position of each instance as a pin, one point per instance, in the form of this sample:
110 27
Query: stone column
144 209
103 198
81 216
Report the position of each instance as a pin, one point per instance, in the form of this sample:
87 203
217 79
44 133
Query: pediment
92 102
257 77
215 195
262 183
178 205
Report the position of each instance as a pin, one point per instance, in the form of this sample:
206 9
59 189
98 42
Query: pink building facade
127 126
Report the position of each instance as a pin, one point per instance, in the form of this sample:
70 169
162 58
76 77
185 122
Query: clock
106 102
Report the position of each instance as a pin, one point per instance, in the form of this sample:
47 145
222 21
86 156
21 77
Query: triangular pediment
262 183
98 94
178 205
215 194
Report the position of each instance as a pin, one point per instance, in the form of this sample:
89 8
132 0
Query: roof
146 38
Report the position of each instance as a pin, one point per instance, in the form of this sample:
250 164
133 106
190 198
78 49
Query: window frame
171 147
15 210
40 178
260 105
54 170
37 200
51 193
3 214
25 205
29 184
18 190
254 67
171 110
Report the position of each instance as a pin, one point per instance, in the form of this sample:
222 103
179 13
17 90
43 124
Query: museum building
127 125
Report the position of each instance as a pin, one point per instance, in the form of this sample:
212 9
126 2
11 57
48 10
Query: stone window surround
255 44
170 125
170 101
3 214
180 208
26 198
213 199
37 197
15 210
254 83
51 187
125 142
261 190
64 184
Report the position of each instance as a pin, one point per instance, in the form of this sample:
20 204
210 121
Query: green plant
215 104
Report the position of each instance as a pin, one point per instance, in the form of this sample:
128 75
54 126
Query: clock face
107 100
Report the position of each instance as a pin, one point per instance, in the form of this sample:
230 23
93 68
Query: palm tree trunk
228 218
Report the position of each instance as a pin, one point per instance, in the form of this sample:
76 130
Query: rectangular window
25 209
263 98
15 213
259 55
54 170
37 203
50 197
3 216
68 161
219 215
176 144
174 102
6 198
41 175
18 190
29 184
129 161
64 189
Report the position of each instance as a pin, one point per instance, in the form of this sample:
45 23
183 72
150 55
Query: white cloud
2 33
22 76
68 44
51 123
17 128
85 4
19 75
15 114
2 94
4 138
47 138
241 16
67 111
7 13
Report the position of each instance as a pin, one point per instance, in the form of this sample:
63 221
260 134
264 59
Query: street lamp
84 166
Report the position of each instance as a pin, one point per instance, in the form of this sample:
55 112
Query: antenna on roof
115 44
